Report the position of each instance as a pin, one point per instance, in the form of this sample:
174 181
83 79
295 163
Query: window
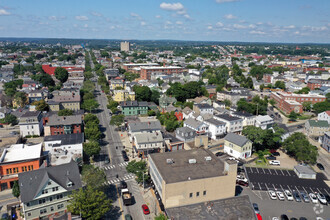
190 195
29 213
24 169
42 211
44 191
49 183
30 167
197 194
52 208
55 188
204 193
60 206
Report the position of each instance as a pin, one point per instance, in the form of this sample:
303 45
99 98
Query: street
116 169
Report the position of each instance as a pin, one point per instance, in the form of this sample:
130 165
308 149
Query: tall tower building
124 46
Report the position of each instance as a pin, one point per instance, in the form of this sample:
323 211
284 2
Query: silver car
304 196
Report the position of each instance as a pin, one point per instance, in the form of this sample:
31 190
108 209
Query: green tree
298 146
92 132
15 189
142 93
151 113
90 118
307 106
90 105
131 76
93 176
21 98
41 105
44 79
304 90
91 203
9 119
272 102
227 102
161 217
61 74
65 112
293 116
280 84
92 148
139 168
321 106
117 120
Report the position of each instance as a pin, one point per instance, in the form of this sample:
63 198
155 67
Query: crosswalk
113 166
117 180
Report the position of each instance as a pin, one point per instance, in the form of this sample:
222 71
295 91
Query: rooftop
30 114
239 207
21 152
214 122
320 123
143 126
150 138
64 120
243 114
304 169
236 139
228 117
66 139
180 169
264 118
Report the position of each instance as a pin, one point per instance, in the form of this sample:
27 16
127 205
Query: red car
242 183
145 209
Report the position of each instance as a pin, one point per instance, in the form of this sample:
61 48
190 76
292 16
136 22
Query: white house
233 124
217 129
237 146
145 144
248 119
31 123
324 116
143 128
198 126
264 121
187 113
203 109
64 148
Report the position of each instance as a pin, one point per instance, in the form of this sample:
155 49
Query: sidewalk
150 199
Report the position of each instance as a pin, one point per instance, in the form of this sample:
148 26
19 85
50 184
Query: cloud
143 23
81 18
137 16
4 12
56 18
158 16
252 26
219 24
86 26
171 7
239 26
225 1
179 22
290 27
96 14
257 32
209 27
229 16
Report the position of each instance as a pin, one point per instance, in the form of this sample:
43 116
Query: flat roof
181 170
161 67
20 152
238 207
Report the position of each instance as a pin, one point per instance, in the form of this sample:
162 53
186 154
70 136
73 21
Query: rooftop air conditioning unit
192 161
208 158
169 161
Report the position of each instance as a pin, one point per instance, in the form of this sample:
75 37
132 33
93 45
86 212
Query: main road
112 146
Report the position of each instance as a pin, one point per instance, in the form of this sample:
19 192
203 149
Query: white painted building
233 124
264 121
324 116
31 123
217 129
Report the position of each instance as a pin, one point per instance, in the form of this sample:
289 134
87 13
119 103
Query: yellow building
123 95
192 176
114 83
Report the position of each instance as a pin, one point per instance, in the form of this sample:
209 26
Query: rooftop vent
208 158
191 161
169 161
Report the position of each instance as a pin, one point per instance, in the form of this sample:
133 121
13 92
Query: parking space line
326 192
289 188
274 187
275 171
282 188
305 190
263 170
282 172
259 186
266 187
311 189
318 190
288 172
257 170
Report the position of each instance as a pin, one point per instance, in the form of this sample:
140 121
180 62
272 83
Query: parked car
275 162
320 166
242 183
125 155
271 158
256 208
322 198
145 209
288 195
106 159
218 154
276 154
123 185
304 196
240 170
280 195
296 196
284 217
272 194
128 217
313 198
240 177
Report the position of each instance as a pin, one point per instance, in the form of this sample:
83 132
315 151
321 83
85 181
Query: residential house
324 116
233 124
172 143
57 125
64 148
326 141
248 118
59 102
134 108
316 128
237 146
165 101
117 82
45 193
187 112
264 121
200 100
4 111
123 95
198 126
187 177
218 104
145 144
202 109
111 73
30 123
185 134
143 128
16 159
217 129
37 95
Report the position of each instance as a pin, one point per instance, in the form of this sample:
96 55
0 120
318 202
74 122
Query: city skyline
210 20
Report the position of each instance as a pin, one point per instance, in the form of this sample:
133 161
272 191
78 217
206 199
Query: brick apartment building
131 66
63 125
146 72
317 83
287 101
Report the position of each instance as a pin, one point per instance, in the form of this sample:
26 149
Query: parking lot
278 179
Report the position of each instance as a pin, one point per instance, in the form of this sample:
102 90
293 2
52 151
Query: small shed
305 172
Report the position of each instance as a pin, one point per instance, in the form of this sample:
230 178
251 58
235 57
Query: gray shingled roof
33 181
66 139
144 126
236 139
64 120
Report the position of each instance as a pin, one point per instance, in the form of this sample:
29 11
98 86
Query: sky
287 21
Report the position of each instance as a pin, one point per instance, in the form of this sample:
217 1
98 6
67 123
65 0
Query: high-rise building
124 46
